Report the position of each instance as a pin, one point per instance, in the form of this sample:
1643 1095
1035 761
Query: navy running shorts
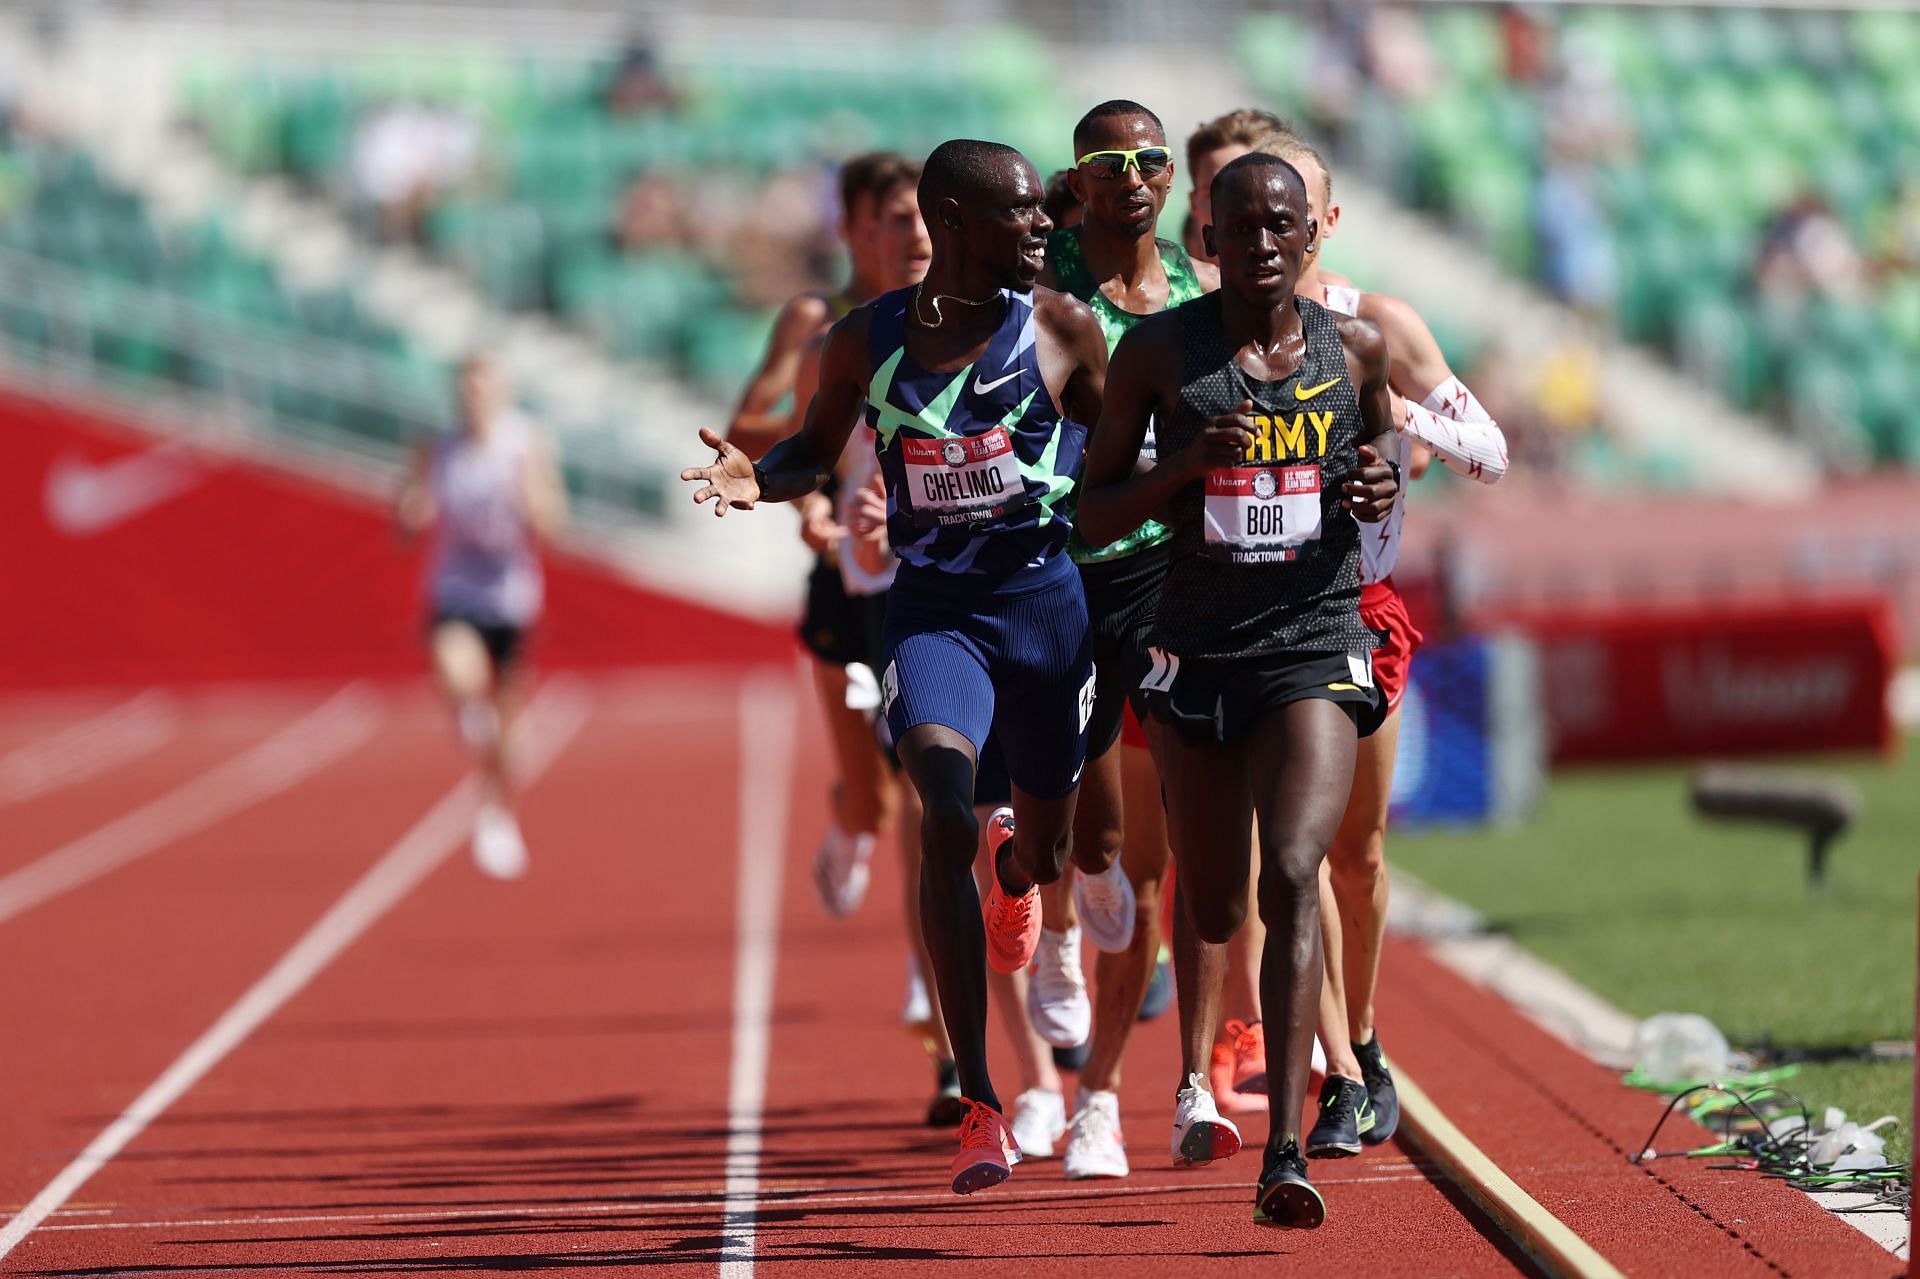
1012 658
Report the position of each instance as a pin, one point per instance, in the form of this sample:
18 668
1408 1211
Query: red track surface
535 1075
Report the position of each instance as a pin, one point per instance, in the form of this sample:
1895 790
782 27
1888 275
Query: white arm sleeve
1452 423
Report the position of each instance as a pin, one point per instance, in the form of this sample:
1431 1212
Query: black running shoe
1159 994
948 1107
1386 1102
1346 1117
1285 1198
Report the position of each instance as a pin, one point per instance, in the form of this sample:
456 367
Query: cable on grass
1785 1154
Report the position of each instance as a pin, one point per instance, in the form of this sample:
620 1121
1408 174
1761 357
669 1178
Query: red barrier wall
126 560
1733 680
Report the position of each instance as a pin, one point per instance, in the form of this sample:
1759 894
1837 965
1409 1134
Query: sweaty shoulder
1161 329
1392 314
843 344
804 315
1065 315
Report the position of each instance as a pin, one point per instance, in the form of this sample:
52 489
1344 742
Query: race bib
969 479
1262 515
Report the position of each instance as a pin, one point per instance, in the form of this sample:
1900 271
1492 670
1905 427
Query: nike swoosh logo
85 500
981 386
1308 392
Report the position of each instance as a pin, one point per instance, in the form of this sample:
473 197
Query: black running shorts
1121 599
1219 701
504 644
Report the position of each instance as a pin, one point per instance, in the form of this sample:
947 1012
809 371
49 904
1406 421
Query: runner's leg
1359 874
1209 820
1332 1021
1120 980
464 672
1301 760
865 797
940 763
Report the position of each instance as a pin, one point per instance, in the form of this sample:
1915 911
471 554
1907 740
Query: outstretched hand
1371 487
729 480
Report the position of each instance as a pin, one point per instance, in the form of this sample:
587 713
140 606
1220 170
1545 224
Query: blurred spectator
1574 235
1501 378
650 215
790 223
1334 81
637 85
404 156
1566 387
1588 119
1523 43
1806 253
1398 56
1897 230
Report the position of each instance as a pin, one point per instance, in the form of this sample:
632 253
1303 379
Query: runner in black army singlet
1258 677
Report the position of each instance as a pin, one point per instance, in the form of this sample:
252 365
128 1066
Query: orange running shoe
1249 1056
1013 923
1220 1074
987 1150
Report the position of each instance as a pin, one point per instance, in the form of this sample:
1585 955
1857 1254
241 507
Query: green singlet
1183 285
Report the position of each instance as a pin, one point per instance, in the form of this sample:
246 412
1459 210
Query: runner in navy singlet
977 386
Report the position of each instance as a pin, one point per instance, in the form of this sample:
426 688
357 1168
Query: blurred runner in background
490 490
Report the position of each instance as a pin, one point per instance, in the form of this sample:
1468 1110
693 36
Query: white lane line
767 720
89 748
309 744
668 1208
555 716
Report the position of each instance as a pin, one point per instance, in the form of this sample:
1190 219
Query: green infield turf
1615 881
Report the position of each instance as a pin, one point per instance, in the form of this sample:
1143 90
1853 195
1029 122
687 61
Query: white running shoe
1200 1134
1057 1002
1094 1145
1039 1120
840 871
917 1013
498 849
1106 907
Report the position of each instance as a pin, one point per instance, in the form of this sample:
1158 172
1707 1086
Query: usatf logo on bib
966 480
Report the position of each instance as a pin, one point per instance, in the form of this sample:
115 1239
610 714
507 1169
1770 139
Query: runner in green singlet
1114 262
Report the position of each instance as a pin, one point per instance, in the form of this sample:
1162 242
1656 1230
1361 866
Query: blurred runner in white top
490 491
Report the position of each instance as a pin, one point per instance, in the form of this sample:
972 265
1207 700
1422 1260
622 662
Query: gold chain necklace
938 318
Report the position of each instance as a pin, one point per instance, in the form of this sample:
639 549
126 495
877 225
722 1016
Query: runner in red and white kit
1434 414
